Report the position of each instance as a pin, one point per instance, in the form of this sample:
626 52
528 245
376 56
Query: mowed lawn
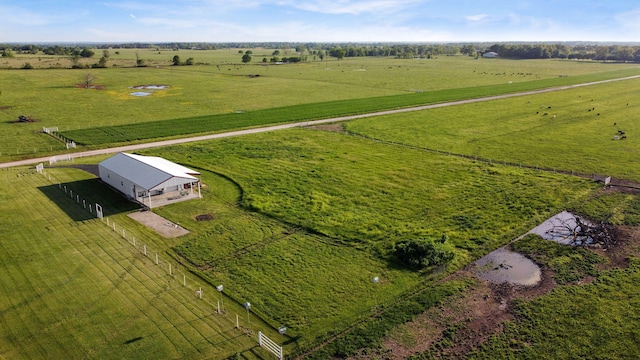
579 130
75 289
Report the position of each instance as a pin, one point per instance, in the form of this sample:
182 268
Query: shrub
420 253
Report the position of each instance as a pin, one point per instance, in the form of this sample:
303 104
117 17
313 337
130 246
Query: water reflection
504 266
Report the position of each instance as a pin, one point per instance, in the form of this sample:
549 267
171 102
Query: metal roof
147 171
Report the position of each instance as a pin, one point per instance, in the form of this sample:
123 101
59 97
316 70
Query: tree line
580 51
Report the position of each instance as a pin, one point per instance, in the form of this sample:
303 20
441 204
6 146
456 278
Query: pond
561 229
149 88
504 266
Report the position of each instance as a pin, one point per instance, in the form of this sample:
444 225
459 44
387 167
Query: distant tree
468 50
102 63
27 66
275 53
176 60
105 53
88 79
189 61
7 53
246 58
248 52
337 52
264 60
625 54
139 62
75 62
86 53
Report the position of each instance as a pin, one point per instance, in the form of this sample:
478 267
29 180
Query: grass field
571 130
196 93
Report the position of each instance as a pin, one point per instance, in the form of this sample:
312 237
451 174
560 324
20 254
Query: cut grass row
100 136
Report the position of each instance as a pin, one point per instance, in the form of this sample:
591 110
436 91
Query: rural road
297 124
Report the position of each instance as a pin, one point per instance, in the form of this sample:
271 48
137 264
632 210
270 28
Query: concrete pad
161 225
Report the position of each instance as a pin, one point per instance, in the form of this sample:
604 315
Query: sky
422 21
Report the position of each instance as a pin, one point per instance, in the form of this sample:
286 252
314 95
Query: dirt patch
25 119
204 217
466 321
5 108
329 127
84 86
480 312
150 87
159 224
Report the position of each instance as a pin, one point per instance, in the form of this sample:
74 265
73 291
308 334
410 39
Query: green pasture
366 193
570 130
103 135
221 95
358 197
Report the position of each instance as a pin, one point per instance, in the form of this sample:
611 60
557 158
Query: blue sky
319 20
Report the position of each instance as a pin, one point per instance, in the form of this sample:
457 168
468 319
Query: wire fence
490 161
213 300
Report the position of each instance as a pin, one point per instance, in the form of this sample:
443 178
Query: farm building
149 180
490 54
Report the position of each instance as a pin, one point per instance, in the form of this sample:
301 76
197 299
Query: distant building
149 180
490 54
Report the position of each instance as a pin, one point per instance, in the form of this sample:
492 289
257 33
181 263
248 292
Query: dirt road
298 124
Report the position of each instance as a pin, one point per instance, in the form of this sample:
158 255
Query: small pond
149 89
560 228
504 266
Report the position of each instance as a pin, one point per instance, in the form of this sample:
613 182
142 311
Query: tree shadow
78 199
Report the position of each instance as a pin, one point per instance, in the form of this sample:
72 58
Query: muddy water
559 228
504 266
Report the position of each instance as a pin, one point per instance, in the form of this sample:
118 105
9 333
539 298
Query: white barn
490 55
149 180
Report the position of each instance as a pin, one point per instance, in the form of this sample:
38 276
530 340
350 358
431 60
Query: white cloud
476 18
336 7
629 19
23 17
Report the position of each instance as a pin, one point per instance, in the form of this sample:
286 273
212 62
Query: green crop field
302 219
